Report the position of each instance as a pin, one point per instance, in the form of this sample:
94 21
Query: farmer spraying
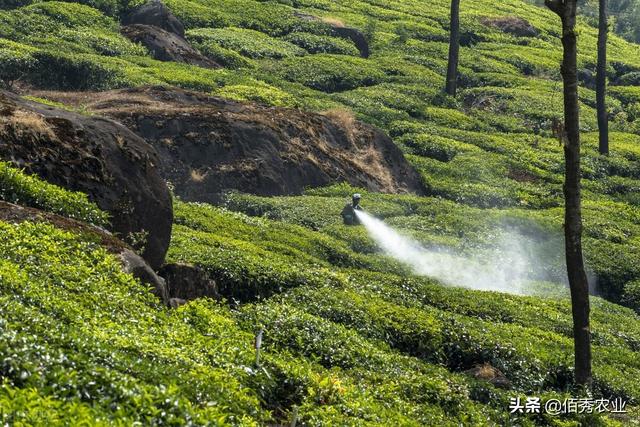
349 212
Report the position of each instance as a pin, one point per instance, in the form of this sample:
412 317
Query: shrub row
20 188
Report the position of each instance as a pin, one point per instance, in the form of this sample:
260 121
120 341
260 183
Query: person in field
349 212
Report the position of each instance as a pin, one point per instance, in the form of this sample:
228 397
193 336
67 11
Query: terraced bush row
397 377
112 322
83 341
618 325
249 43
529 354
71 331
253 258
511 109
435 221
351 311
20 188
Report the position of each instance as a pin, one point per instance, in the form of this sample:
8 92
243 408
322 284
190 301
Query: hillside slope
351 337
490 147
207 145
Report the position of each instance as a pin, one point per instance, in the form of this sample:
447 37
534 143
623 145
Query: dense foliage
20 188
624 16
321 283
492 146
355 342
350 336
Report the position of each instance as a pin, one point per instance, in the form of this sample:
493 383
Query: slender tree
601 79
566 10
454 48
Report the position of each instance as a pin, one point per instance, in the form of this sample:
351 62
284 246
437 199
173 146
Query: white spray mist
503 269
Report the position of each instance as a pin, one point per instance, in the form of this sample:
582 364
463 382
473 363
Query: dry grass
197 176
23 123
120 141
486 372
345 119
368 158
372 161
334 22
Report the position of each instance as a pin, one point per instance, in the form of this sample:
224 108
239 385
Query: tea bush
449 338
527 338
63 336
116 355
421 385
258 92
314 43
410 316
330 73
18 187
250 43
226 57
351 336
435 147
632 294
14 65
438 221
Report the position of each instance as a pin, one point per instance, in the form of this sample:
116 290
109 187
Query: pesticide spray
504 269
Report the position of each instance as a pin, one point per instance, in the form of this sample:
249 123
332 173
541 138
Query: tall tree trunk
454 48
578 283
601 79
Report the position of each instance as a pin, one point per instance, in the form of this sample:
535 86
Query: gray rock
188 282
176 302
356 36
136 266
166 46
155 13
116 168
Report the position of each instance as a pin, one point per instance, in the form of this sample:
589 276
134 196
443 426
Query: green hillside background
351 336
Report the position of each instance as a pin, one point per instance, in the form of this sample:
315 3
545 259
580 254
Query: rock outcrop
188 282
512 25
156 14
117 169
166 46
356 36
132 263
208 145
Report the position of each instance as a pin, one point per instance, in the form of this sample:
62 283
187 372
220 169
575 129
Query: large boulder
208 145
97 156
131 262
166 46
135 265
154 13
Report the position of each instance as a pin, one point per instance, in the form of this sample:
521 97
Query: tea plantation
351 337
